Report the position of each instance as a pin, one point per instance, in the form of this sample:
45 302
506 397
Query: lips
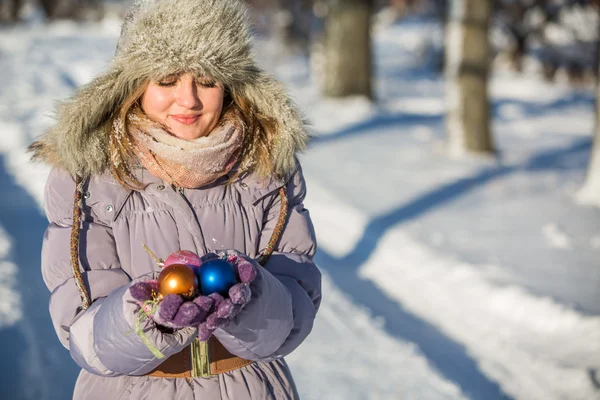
186 119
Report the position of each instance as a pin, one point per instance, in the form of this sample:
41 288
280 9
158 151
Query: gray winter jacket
160 38
116 221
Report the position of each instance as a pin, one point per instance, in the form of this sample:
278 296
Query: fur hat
159 38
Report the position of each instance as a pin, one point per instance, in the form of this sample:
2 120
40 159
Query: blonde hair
259 134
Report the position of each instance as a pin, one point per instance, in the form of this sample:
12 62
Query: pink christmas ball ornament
185 257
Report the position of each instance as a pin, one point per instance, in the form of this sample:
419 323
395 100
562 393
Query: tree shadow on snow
376 228
36 366
533 109
449 357
444 354
377 122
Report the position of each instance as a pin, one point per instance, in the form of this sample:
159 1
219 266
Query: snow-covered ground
443 278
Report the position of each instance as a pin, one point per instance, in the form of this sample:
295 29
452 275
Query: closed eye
168 81
207 83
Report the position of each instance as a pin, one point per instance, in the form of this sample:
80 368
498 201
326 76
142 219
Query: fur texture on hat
159 38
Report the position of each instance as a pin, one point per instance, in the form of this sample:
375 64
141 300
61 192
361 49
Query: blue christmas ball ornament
216 276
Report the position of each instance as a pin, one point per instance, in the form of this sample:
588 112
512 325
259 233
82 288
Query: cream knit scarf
187 164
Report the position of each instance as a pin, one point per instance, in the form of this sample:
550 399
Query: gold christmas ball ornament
177 279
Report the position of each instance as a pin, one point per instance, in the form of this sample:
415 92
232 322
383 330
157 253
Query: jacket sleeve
287 292
101 339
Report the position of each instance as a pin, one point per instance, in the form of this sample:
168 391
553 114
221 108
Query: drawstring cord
283 210
77 207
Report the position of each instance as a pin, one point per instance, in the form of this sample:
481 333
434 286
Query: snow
444 278
10 299
361 352
556 237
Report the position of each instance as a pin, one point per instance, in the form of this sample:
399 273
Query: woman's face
188 106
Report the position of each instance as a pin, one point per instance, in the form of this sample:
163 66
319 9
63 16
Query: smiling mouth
186 119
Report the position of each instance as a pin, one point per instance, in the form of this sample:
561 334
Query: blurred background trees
559 35
11 10
556 39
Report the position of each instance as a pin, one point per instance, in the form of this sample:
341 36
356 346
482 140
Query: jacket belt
180 365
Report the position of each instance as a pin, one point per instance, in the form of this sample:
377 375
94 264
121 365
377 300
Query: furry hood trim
160 38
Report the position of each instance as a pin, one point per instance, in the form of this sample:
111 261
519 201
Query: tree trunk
49 7
292 24
15 9
348 48
467 68
590 191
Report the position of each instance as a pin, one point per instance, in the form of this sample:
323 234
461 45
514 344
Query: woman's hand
239 294
172 311
205 312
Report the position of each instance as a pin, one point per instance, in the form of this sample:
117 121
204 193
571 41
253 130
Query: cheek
214 102
156 102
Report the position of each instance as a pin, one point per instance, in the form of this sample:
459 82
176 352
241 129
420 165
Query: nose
186 93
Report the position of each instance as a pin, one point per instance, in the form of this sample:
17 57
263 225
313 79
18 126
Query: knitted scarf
187 164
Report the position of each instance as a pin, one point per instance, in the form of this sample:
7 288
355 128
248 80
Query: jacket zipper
200 353
181 192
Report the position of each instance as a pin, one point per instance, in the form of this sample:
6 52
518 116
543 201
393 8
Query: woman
183 144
